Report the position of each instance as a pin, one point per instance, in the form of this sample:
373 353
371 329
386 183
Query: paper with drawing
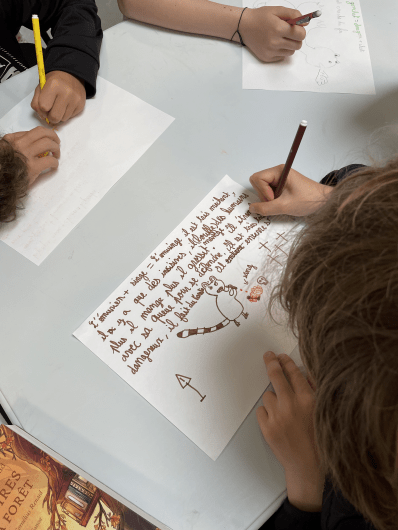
334 56
97 148
187 329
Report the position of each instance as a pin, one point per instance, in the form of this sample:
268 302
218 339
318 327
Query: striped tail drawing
201 331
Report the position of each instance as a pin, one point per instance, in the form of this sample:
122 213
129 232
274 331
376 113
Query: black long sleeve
288 517
336 514
76 31
334 177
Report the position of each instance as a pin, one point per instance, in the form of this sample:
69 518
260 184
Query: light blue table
62 393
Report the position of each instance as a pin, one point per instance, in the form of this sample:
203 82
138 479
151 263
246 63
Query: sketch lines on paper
227 304
320 57
186 381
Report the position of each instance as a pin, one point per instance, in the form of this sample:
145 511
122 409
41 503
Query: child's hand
268 36
300 196
286 421
33 143
63 96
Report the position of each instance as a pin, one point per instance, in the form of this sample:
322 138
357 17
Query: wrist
245 24
316 195
238 36
227 22
305 493
325 191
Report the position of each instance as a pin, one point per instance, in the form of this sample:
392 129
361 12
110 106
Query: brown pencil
290 159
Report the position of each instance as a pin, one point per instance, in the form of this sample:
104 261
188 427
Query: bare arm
263 29
191 16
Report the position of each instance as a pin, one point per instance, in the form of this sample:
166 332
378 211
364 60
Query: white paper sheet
204 381
97 148
334 56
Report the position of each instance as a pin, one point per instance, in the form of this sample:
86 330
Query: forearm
77 37
202 17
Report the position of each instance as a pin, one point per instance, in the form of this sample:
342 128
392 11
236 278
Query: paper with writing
334 56
188 328
97 148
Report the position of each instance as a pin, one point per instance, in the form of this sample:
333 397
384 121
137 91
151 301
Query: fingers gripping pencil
304 19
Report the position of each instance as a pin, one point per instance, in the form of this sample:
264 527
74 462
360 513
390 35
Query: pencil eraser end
318 13
304 123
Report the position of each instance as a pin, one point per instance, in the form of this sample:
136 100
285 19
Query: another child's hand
300 196
286 421
63 96
268 36
32 144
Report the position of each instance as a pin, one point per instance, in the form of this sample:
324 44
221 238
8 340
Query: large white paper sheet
97 148
334 56
188 328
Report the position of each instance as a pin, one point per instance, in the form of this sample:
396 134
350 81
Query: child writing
336 433
263 30
71 62
71 59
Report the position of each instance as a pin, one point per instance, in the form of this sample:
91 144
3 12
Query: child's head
13 180
341 291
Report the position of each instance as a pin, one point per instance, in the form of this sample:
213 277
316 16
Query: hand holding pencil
59 95
301 196
62 97
267 34
286 191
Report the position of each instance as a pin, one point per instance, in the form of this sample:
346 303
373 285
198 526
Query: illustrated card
41 490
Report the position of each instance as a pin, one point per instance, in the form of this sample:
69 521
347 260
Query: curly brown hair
13 180
340 288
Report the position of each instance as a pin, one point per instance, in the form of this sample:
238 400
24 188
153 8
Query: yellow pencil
39 52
